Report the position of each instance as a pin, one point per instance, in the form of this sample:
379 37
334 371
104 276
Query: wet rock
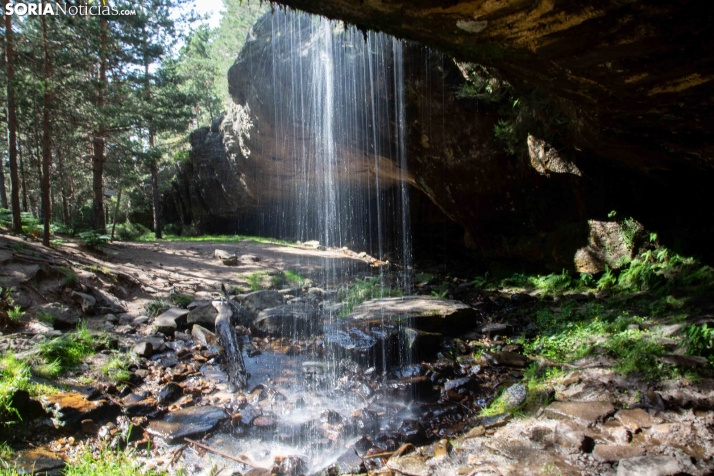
63 317
442 448
495 420
613 453
69 409
294 320
248 414
144 407
38 461
412 370
258 301
475 432
494 328
169 393
85 301
464 382
204 315
202 336
514 396
635 419
27 407
264 423
507 359
331 417
363 445
653 400
187 422
587 413
419 344
569 435
89 427
420 312
648 466
144 349
411 465
169 322
291 466
411 431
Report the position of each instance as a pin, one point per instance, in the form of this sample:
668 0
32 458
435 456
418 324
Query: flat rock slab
635 419
613 453
420 312
288 320
69 409
587 413
38 461
648 466
169 322
187 422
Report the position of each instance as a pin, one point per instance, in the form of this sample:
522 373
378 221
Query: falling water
339 172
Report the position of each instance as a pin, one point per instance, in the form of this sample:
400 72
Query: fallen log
226 335
226 257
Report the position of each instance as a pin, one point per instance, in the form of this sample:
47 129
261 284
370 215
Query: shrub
94 239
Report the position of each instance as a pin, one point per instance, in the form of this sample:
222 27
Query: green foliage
156 306
277 280
255 280
117 369
70 276
699 340
424 278
7 454
14 375
69 349
129 231
181 300
149 237
362 290
42 316
15 313
628 231
107 462
481 281
94 239
294 277
607 280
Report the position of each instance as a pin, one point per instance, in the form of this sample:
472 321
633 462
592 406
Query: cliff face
614 125
634 79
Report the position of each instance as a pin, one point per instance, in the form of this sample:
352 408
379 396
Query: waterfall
339 147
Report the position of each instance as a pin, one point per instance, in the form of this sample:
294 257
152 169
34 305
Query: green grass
69 349
255 280
106 462
15 313
424 278
70 277
151 237
117 369
42 316
156 306
362 290
294 277
181 300
14 375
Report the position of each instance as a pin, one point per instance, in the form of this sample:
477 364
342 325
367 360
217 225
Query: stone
144 349
89 427
202 336
140 320
249 258
587 413
514 396
648 466
494 328
507 359
410 465
39 461
68 409
495 420
568 435
169 322
169 393
63 316
113 318
442 448
108 301
187 422
258 301
613 453
225 257
291 466
204 315
85 301
411 431
475 432
288 320
635 419
687 361
464 382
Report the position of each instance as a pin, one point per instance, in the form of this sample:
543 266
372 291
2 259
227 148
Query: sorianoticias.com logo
92 8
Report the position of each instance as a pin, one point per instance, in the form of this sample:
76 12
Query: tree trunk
24 181
3 192
63 187
98 140
155 200
116 214
46 137
12 123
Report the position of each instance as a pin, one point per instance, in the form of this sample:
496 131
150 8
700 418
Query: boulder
170 321
203 314
288 320
144 349
63 316
258 301
85 301
202 336
187 422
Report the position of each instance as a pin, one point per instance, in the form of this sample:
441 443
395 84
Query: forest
99 109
